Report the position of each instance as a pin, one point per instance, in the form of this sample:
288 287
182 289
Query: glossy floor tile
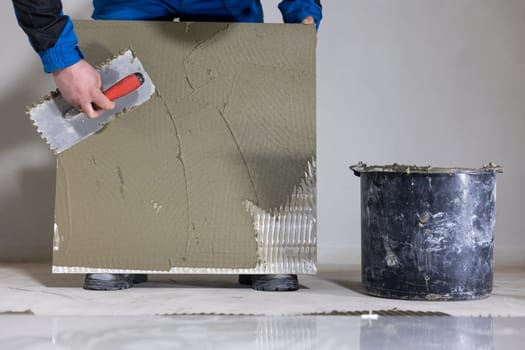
336 290
259 332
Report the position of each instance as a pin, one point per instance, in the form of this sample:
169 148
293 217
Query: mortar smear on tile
166 186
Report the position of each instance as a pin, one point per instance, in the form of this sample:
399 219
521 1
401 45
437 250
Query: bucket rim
415 169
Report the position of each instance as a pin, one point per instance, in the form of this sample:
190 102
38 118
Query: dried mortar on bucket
427 233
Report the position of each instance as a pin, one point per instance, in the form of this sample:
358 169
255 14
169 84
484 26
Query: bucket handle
358 168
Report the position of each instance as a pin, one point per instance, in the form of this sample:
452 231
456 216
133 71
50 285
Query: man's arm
50 32
302 11
52 36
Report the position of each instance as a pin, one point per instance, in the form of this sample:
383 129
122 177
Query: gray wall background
407 81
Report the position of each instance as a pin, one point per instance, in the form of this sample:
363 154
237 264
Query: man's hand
308 20
80 85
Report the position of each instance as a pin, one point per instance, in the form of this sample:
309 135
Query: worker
52 36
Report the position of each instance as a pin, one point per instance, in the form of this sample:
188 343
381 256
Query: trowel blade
61 133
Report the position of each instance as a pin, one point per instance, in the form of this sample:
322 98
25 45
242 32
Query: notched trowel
62 126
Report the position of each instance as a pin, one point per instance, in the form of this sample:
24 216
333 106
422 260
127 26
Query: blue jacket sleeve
294 11
50 32
64 53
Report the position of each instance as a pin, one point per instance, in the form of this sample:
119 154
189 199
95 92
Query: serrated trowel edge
61 134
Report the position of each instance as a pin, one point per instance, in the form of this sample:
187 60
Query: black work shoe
245 279
271 283
108 281
140 278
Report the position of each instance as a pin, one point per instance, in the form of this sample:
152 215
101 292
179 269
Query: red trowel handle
125 86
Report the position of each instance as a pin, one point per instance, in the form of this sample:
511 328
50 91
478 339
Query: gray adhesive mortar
174 185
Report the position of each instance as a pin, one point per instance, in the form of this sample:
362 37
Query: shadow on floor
346 279
42 274
195 281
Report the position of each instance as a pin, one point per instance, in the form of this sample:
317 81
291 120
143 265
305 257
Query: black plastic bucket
427 233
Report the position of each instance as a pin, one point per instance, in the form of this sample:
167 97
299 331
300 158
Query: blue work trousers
185 10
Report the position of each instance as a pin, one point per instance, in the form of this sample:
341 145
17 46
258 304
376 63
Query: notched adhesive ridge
287 236
181 160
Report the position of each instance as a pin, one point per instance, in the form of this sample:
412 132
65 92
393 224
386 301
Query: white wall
407 81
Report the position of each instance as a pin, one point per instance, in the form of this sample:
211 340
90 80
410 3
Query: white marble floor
39 310
33 288
259 332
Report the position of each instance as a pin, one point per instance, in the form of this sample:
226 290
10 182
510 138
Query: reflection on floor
39 310
259 332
